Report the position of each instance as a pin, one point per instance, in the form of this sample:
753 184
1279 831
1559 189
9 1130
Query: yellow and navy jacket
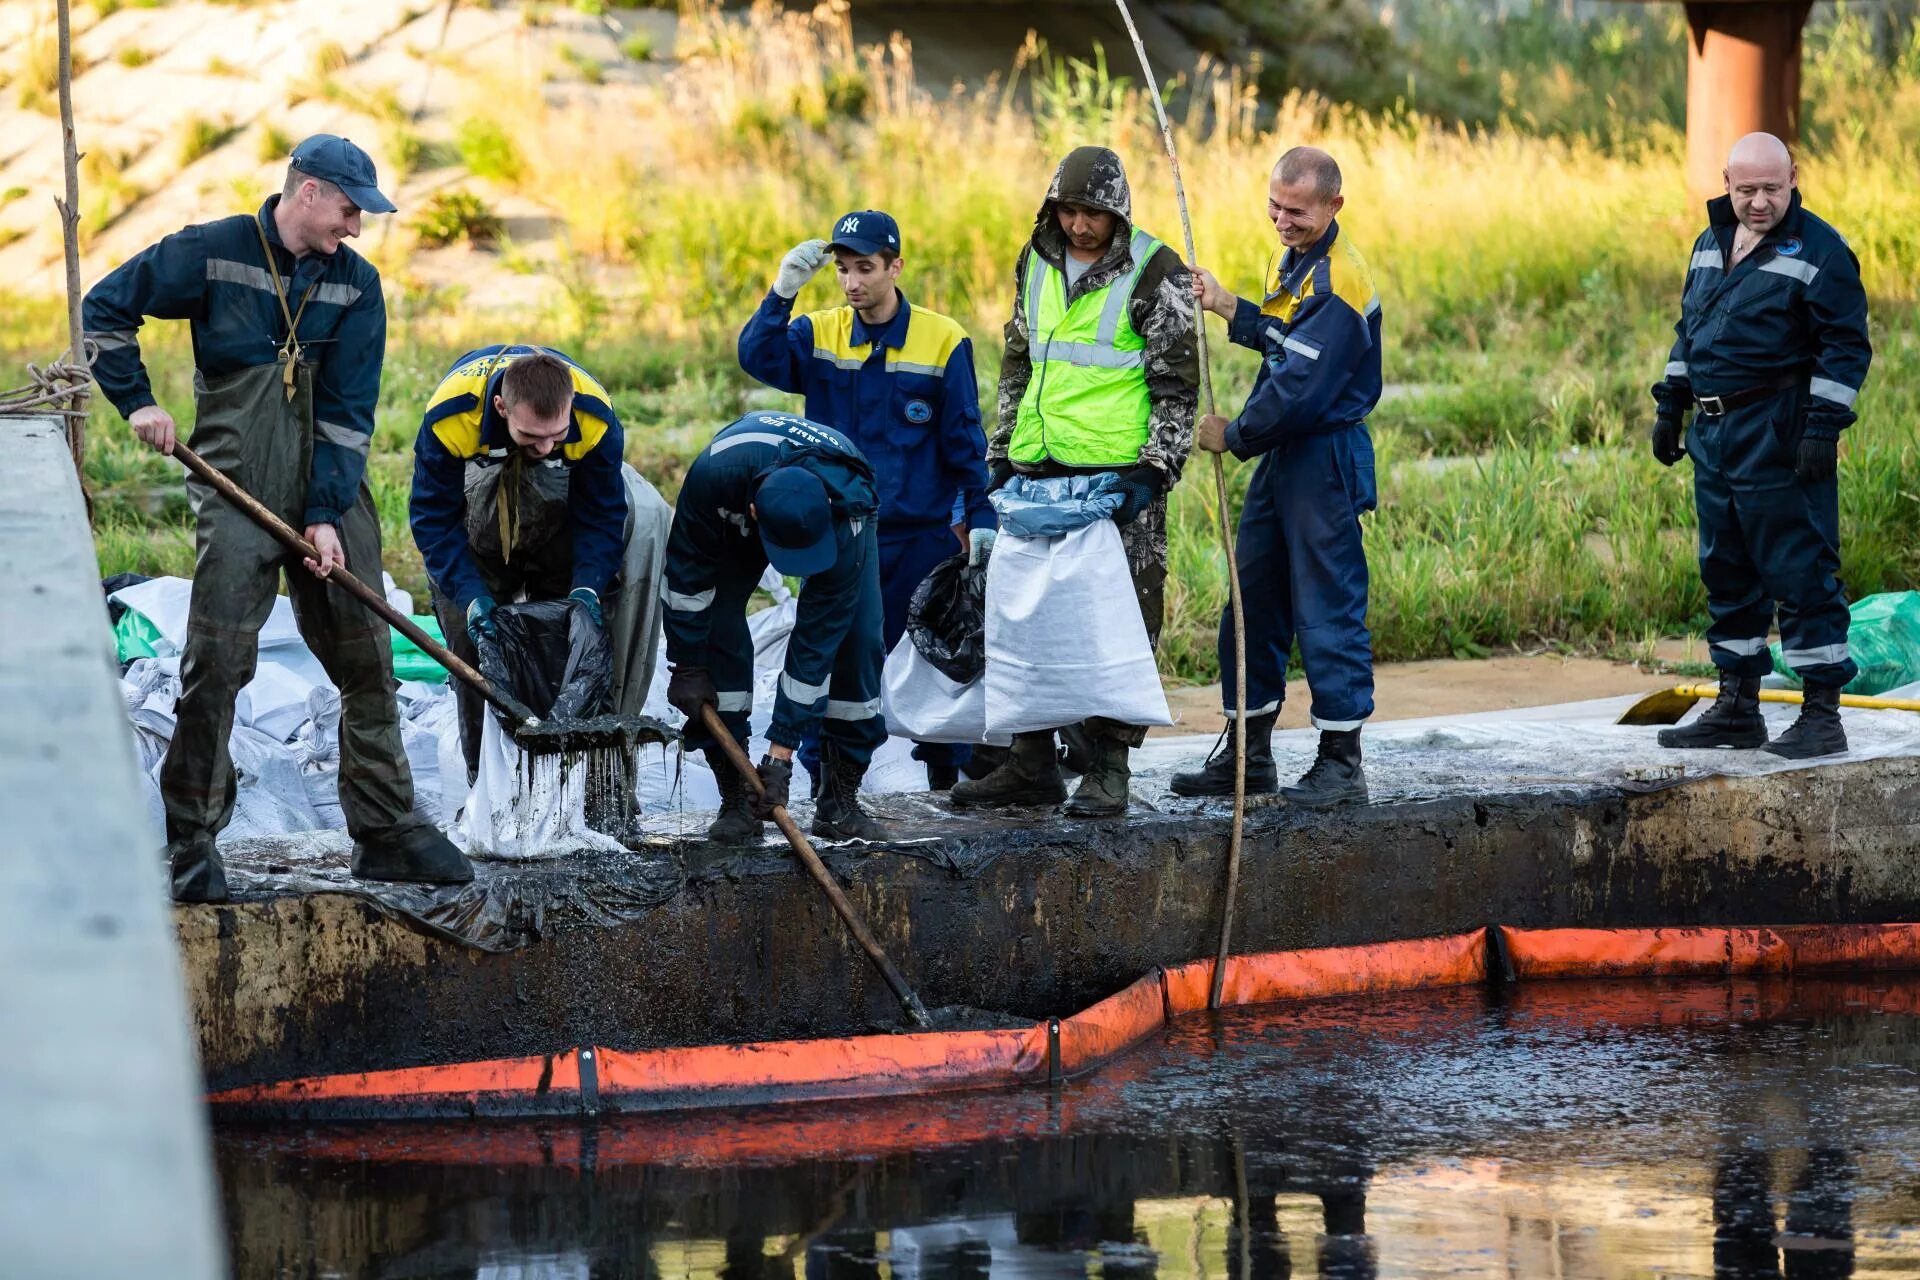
461 426
214 276
1794 306
904 394
1319 329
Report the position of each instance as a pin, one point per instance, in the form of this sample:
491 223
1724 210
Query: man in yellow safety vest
1100 374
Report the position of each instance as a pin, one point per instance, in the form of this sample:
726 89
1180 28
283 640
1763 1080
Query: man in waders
1771 350
1303 566
289 331
1100 374
775 489
898 380
517 488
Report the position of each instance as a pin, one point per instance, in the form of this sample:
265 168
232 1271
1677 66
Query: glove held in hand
691 688
776 778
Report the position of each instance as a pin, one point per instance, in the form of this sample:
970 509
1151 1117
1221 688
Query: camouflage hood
1092 176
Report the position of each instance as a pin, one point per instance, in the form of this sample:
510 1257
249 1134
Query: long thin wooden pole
284 534
1226 538
70 235
849 915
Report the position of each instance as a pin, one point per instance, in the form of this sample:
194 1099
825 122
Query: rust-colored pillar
1743 76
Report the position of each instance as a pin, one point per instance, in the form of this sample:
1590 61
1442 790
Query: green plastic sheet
1884 638
134 636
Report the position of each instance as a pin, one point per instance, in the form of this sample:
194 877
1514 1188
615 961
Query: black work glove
690 689
776 778
999 474
1667 448
1140 486
1818 458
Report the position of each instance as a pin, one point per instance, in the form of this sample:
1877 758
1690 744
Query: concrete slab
105 1168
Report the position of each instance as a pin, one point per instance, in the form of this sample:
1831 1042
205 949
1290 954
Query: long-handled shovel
534 736
916 1012
1666 706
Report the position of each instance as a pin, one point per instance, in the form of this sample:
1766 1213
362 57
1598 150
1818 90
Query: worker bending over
1303 567
1770 351
1100 374
518 492
289 334
898 381
775 489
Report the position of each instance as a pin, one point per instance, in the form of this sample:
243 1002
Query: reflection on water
1577 1130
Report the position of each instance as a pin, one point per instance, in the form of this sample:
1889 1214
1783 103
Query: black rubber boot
941 776
984 761
1817 732
1102 792
1030 776
197 873
837 814
1215 777
1335 777
736 823
1732 721
417 854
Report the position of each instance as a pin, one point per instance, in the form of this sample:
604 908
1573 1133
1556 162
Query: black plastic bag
551 656
947 619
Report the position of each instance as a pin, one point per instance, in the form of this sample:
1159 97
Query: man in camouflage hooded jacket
1100 374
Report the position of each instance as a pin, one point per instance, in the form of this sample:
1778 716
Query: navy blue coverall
1303 569
1792 315
831 681
905 395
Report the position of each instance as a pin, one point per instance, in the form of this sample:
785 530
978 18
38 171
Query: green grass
1526 236
200 136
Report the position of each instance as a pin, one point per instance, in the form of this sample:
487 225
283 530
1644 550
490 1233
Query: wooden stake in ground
1226 538
70 234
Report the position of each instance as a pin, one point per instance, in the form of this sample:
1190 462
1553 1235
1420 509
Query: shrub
489 151
200 136
455 217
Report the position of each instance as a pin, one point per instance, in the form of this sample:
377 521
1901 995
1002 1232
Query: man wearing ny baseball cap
898 380
289 331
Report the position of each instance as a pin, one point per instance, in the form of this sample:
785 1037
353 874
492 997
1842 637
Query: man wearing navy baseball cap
898 380
775 489
289 332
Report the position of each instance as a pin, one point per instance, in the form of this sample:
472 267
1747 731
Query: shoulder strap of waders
289 350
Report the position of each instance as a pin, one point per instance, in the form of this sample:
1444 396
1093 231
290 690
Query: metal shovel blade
1666 706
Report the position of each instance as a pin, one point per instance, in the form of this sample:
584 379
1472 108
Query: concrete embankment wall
1059 917
105 1167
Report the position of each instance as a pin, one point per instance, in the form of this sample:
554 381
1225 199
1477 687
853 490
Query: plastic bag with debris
1064 638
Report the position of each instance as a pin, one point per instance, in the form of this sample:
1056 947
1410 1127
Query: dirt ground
1410 690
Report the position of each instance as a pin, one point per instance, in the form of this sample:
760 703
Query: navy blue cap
866 231
346 166
796 522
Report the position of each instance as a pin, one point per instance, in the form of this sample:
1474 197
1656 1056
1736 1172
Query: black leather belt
1714 406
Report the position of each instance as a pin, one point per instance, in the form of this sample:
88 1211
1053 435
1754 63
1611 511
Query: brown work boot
1031 776
1102 792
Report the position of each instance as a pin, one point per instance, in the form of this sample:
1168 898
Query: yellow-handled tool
1667 705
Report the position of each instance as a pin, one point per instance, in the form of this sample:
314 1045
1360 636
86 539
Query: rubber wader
256 425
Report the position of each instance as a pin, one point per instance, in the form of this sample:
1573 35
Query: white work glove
980 545
800 265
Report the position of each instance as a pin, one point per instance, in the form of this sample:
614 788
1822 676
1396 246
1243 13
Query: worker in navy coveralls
1771 350
898 381
1303 569
774 488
